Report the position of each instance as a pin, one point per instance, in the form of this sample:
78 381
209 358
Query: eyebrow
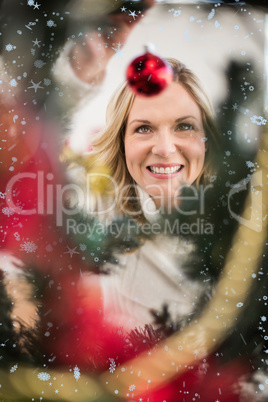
140 121
184 118
176 121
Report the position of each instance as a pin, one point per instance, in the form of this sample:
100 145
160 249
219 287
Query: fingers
90 57
125 18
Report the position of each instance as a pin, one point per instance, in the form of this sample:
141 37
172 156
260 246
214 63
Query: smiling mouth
167 170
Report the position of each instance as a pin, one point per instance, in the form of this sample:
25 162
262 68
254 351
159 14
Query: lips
165 169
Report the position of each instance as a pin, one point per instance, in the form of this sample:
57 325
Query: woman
153 147
174 131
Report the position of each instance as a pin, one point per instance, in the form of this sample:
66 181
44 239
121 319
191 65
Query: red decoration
148 75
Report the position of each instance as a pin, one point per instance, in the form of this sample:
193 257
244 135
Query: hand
89 59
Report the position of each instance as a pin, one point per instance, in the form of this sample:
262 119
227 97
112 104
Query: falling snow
47 82
211 14
35 86
8 211
259 120
176 13
43 376
250 164
14 368
17 236
28 246
112 365
71 251
39 63
77 373
36 42
119 52
132 387
212 178
51 23
10 47
13 82
196 353
49 248
133 14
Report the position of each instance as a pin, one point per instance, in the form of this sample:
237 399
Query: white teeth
167 170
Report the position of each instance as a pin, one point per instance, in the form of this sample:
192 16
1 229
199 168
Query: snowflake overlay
250 164
259 120
51 23
10 47
82 247
28 246
39 63
43 376
112 365
119 52
132 387
77 373
35 86
14 368
8 211
211 14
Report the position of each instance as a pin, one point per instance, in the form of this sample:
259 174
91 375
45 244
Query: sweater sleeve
75 91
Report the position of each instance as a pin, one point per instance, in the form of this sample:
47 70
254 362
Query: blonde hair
110 144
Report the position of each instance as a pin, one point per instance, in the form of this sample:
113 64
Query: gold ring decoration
24 383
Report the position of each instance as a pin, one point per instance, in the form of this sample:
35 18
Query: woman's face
164 142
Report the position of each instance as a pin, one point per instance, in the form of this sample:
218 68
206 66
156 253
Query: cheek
131 156
135 152
128 153
198 150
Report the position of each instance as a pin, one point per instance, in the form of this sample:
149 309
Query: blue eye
143 129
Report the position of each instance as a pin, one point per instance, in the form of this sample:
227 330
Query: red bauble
148 75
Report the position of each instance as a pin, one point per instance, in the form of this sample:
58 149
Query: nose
164 144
